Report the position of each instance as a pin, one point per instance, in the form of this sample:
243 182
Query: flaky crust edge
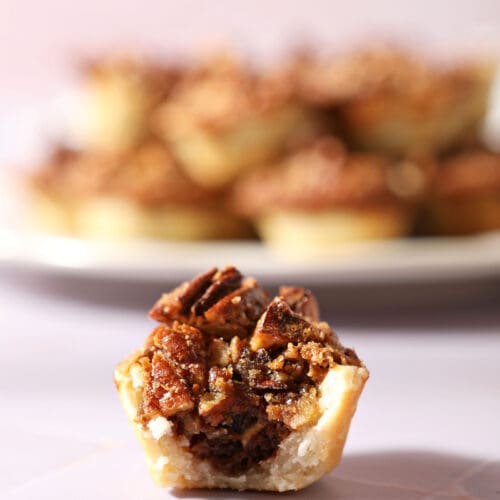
302 458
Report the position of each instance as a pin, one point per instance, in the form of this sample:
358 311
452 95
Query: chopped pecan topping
220 397
301 301
233 385
216 302
184 347
279 325
223 283
219 353
166 393
177 304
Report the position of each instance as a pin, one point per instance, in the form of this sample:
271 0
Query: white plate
405 260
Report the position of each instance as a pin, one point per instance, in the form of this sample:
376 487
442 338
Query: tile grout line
456 487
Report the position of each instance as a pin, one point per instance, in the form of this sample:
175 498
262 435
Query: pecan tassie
322 174
234 372
149 175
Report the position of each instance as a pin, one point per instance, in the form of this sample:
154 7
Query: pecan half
217 302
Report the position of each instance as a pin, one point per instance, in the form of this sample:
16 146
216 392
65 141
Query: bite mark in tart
265 406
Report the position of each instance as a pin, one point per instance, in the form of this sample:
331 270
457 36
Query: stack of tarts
320 152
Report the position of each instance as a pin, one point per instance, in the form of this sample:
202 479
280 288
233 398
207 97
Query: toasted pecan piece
217 302
184 347
220 397
279 325
165 393
177 304
301 301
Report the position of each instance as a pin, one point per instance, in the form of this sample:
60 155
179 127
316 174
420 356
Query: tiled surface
427 425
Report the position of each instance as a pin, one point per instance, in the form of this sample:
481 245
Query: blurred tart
118 97
466 194
391 101
222 119
142 193
234 390
321 195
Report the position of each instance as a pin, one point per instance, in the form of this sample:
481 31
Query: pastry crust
308 235
282 366
303 457
116 218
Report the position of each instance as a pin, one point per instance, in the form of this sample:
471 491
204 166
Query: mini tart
222 119
393 102
320 196
137 194
118 97
234 390
466 194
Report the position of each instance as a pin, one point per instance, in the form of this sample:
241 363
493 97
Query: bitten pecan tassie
235 390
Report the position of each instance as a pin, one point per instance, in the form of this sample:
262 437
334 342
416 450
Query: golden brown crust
321 176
